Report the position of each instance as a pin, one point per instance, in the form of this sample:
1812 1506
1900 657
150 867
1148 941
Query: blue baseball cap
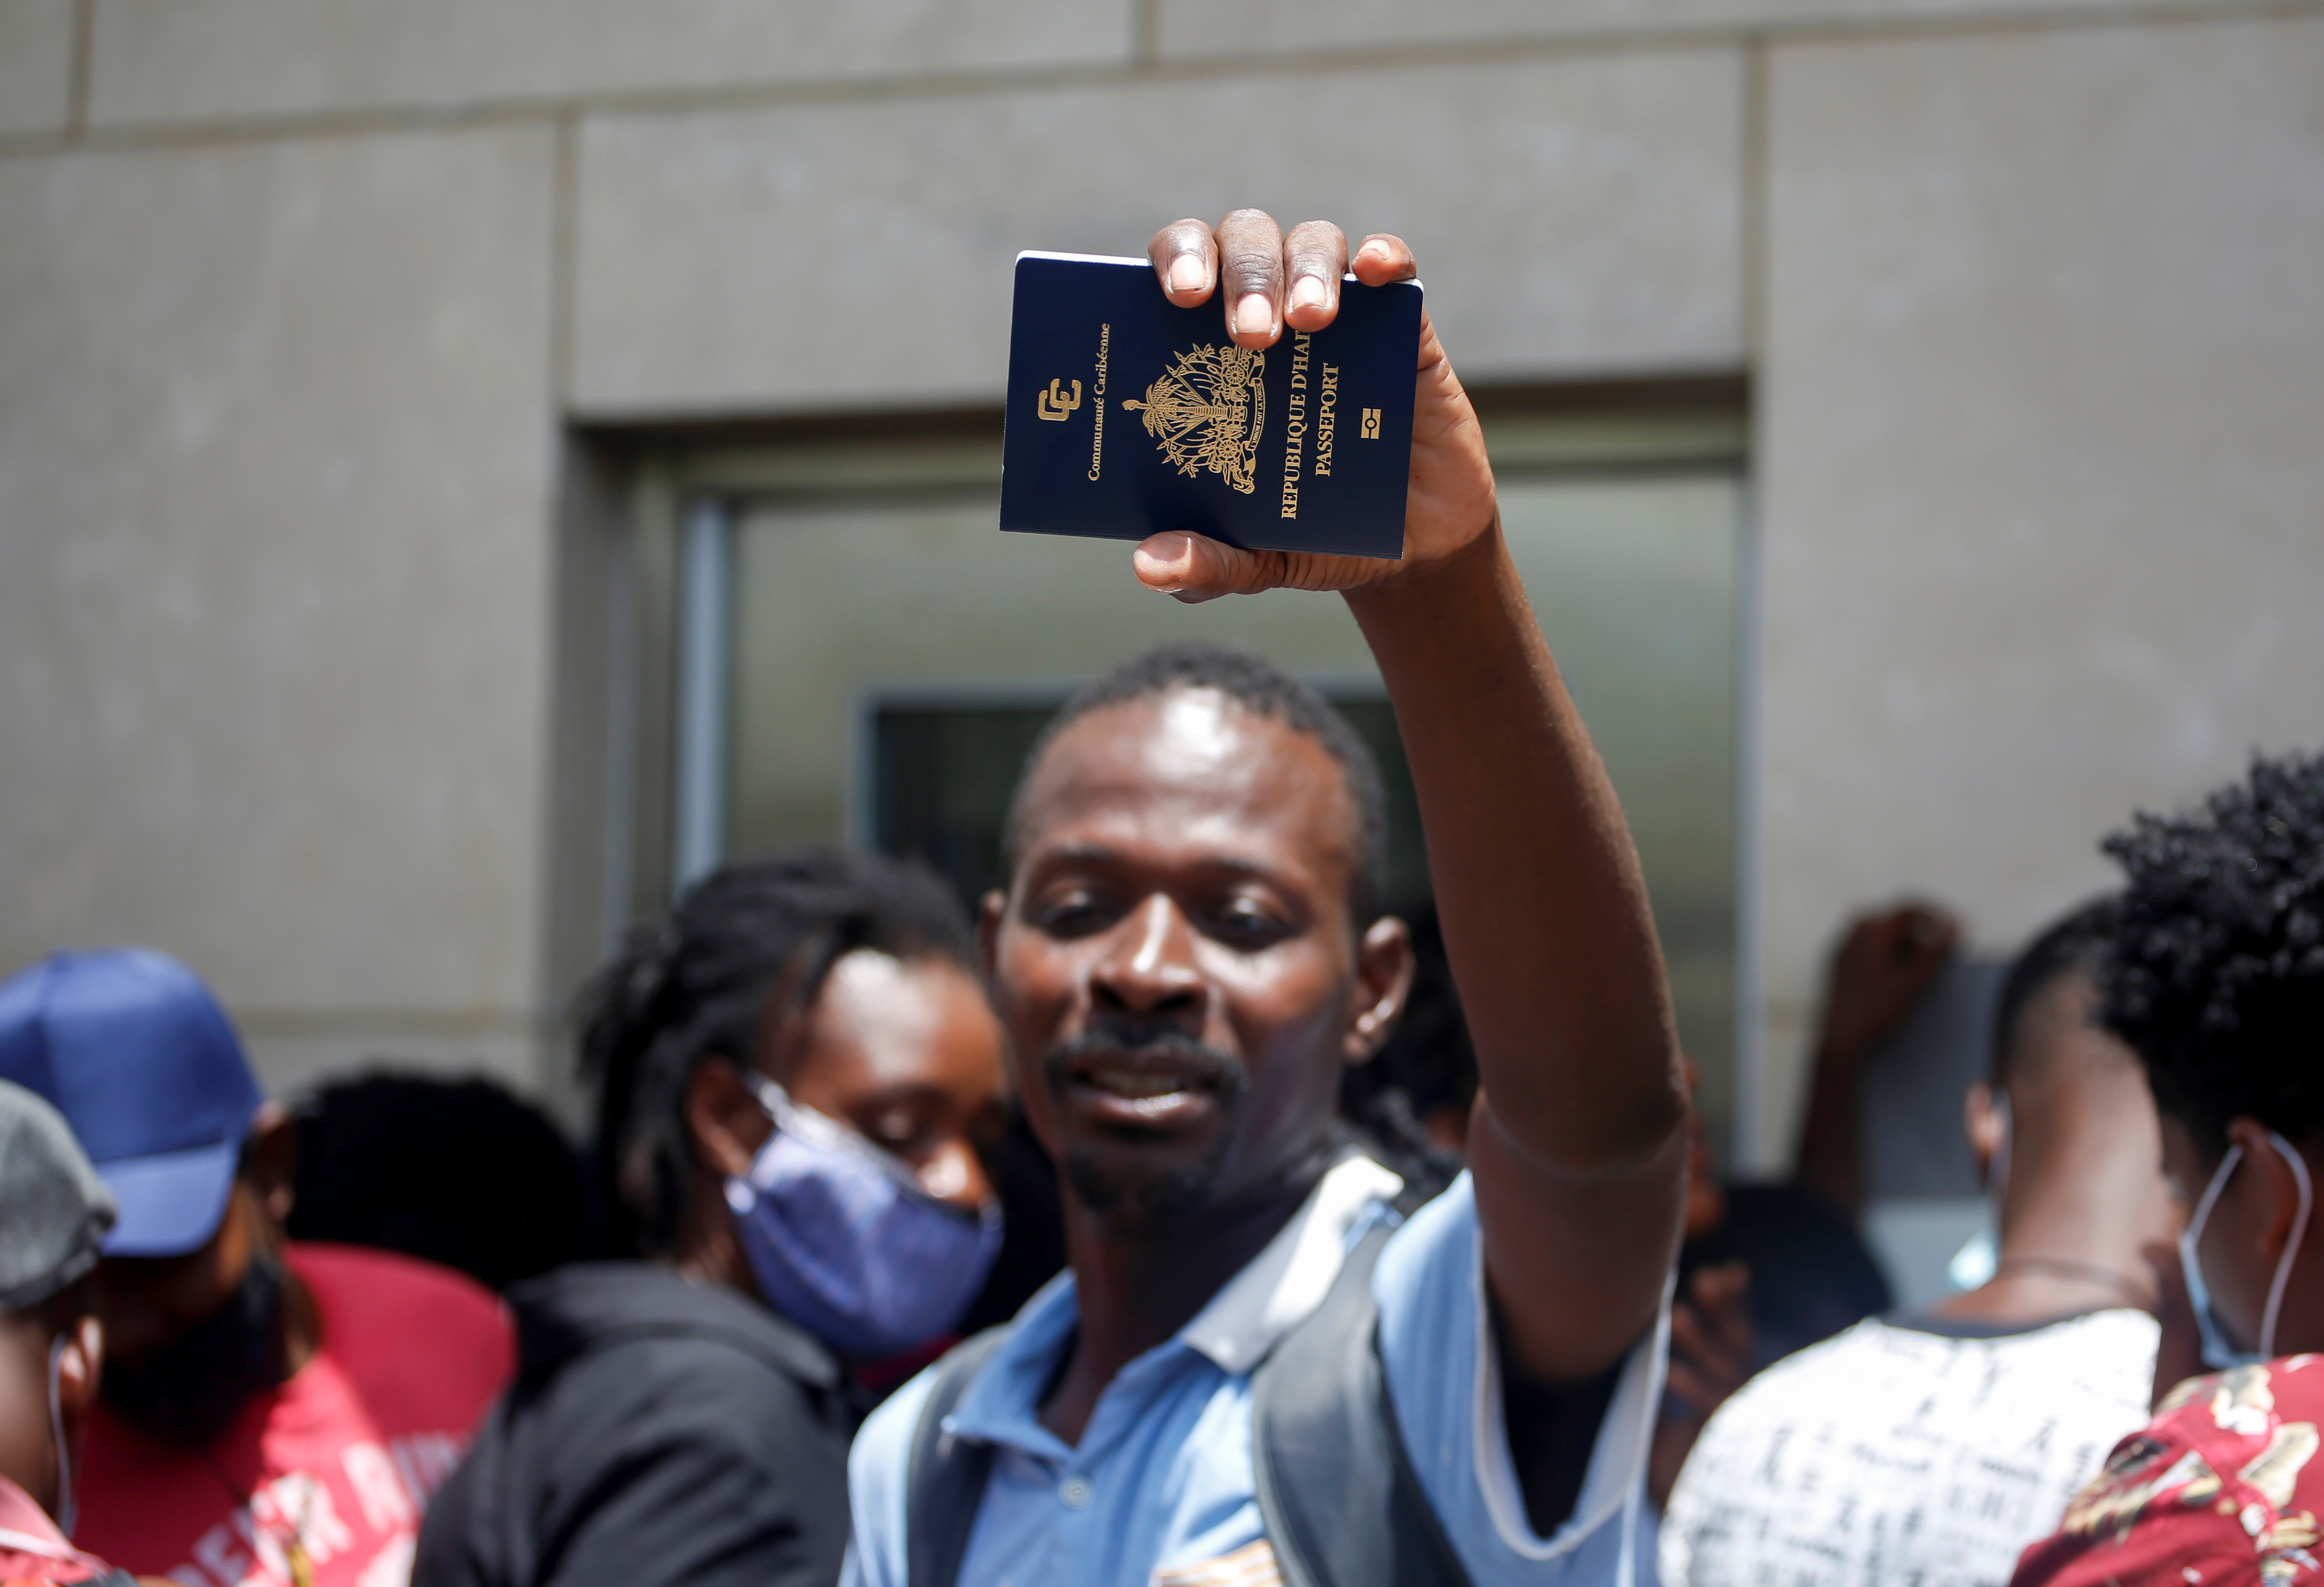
136 1054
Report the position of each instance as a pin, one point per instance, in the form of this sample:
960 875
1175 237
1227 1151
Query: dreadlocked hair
2214 973
697 985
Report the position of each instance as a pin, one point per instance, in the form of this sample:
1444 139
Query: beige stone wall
275 442
296 294
2041 451
37 78
900 221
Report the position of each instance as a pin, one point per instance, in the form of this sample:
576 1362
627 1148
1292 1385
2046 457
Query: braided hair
696 984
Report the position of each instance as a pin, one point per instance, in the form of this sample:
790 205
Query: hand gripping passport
1129 416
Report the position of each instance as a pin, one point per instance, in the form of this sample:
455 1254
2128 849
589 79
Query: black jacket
658 1432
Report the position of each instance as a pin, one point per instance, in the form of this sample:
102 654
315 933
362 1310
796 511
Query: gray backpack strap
945 1482
1337 1492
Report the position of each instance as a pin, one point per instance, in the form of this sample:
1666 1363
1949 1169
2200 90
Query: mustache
1136 1040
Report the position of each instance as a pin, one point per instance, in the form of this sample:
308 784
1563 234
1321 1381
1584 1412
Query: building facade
353 355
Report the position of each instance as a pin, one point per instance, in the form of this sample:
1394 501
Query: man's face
149 1303
1174 959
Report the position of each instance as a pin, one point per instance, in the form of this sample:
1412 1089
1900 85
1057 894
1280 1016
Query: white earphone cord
2290 1251
68 1510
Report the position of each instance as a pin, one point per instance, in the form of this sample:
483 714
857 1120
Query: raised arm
1579 1145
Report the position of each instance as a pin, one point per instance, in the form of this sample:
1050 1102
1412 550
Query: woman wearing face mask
795 1070
2215 978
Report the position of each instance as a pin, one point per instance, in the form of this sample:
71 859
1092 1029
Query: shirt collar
25 1528
1289 1279
1275 1289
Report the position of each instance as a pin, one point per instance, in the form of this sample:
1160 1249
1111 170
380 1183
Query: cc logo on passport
1055 404
1371 431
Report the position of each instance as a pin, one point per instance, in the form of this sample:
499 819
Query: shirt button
1075 1491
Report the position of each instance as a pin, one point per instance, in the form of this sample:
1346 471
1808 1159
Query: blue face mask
843 1241
2220 1352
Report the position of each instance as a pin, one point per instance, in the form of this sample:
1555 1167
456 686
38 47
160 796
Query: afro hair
2214 973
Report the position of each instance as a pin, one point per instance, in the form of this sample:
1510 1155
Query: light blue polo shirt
1160 1492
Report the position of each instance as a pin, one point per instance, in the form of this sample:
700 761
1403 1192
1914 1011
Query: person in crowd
1414 1096
2214 975
268 1417
1771 1269
54 1215
1937 1446
461 1173
1032 1225
1416 1093
1187 951
795 1072
1885 964
1816 1276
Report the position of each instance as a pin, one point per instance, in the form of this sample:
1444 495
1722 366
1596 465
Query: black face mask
188 1391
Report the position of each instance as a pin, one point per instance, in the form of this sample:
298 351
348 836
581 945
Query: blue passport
1129 415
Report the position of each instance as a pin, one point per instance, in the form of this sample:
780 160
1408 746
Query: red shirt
2221 1490
341 1458
32 1549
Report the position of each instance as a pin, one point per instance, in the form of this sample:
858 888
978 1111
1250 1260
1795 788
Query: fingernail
1188 273
1164 554
1254 312
1308 293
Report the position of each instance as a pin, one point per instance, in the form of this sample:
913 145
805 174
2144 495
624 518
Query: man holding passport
1257 1369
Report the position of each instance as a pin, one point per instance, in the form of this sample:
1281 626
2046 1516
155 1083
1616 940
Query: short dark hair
696 984
2215 966
2074 944
461 1172
1261 688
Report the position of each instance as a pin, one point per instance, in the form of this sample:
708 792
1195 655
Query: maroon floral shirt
2222 1487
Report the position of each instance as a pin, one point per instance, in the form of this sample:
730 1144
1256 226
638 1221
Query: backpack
1338 1499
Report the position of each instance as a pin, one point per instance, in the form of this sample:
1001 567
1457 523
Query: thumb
1194 567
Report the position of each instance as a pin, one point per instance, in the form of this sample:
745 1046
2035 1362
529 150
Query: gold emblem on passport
1370 430
1207 410
1055 404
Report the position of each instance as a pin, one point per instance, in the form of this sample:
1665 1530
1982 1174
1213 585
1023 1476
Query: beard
190 1391
1116 1179
1137 1194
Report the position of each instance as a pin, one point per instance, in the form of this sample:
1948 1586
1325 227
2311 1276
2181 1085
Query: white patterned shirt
1921 1454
